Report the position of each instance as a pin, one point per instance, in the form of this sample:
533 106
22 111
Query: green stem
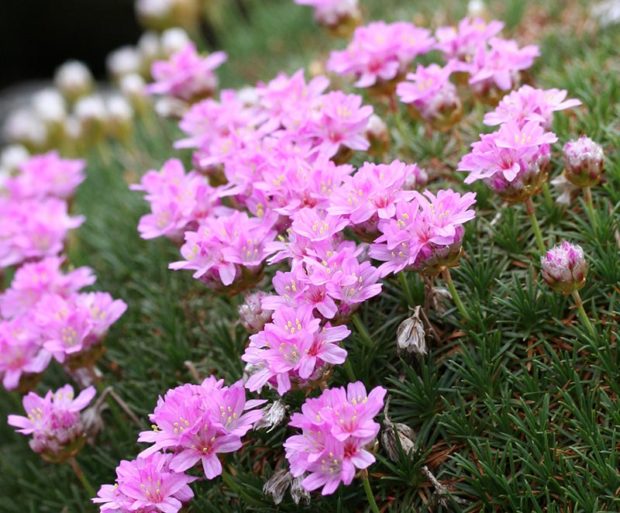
531 212
371 498
582 313
361 329
547 195
348 368
404 282
587 194
454 293
77 470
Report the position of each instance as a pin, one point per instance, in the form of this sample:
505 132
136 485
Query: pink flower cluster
43 314
192 424
564 267
380 52
337 429
186 75
513 160
33 209
54 422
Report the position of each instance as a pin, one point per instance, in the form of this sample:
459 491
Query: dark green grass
515 411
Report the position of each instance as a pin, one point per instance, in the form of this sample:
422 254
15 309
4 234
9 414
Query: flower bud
298 492
252 315
120 117
12 156
124 61
91 113
410 335
378 136
564 268
273 415
24 127
133 88
74 80
173 40
584 161
395 435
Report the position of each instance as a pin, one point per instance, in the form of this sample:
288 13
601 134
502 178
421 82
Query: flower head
336 429
584 162
564 267
54 421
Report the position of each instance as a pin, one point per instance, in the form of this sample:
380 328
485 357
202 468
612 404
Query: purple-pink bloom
316 225
21 351
198 422
512 161
336 429
186 75
53 420
46 175
380 51
584 162
146 485
34 280
462 42
530 104
564 267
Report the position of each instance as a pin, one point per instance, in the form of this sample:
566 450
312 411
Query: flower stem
531 212
361 329
404 283
371 498
77 470
547 195
454 293
348 368
582 313
587 194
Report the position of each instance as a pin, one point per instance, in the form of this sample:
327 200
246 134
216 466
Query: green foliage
514 411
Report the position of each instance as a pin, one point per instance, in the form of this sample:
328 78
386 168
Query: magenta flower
564 267
499 66
315 225
512 161
425 234
340 121
103 310
53 421
186 75
33 228
34 280
462 42
47 175
430 92
21 352
372 194
379 52
292 348
337 427
529 104
224 248
146 485
197 422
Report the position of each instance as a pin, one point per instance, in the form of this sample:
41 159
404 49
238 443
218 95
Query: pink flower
340 121
379 52
53 420
223 248
292 348
336 429
177 200
529 104
564 267
512 161
463 42
425 233
499 65
34 280
198 422
186 75
21 351
47 175
103 310
430 91
146 485
33 228
315 225
372 194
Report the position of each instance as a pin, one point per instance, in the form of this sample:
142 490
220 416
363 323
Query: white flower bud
73 79
12 156
25 127
173 40
50 106
124 61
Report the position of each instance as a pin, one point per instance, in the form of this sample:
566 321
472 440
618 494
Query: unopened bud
173 40
12 156
396 438
584 162
24 127
564 268
74 80
120 117
252 315
124 61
